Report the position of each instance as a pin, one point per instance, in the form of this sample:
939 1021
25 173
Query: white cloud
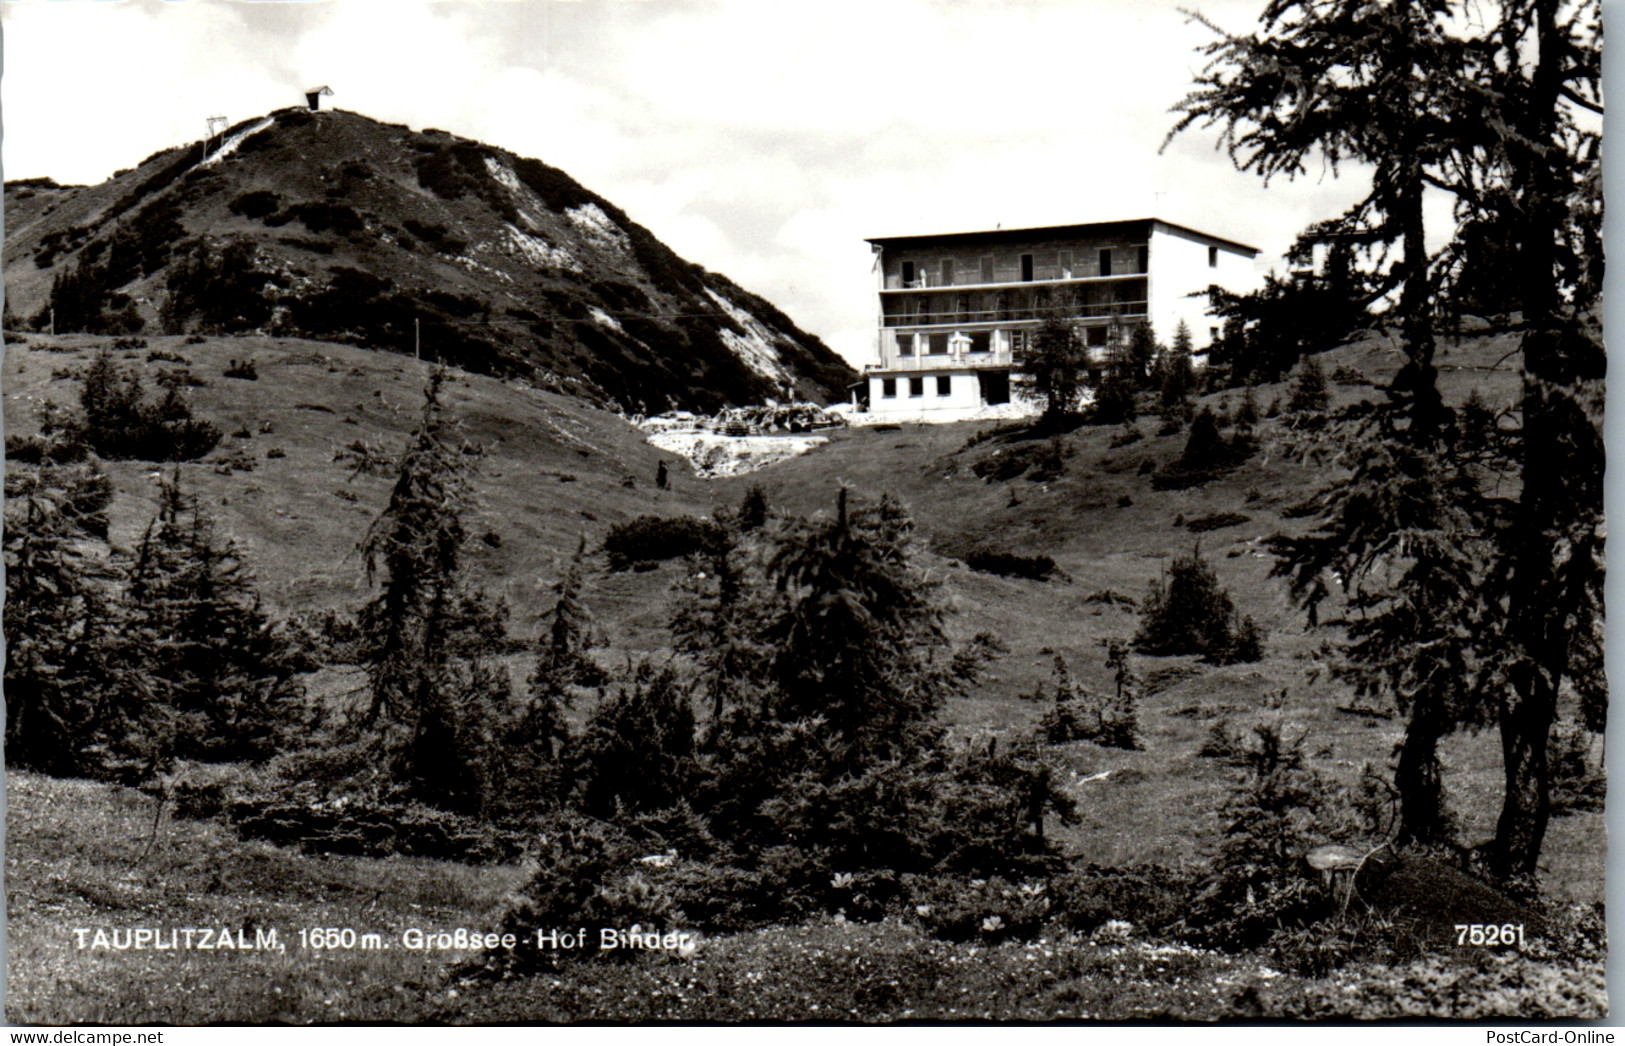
763 141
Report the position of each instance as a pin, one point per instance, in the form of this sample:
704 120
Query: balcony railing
1101 311
943 360
1043 277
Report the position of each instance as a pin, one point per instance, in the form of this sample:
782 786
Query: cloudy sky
762 140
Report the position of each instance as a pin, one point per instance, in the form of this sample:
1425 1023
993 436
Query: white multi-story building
954 307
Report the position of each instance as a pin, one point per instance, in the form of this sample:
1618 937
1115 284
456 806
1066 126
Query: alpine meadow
372 656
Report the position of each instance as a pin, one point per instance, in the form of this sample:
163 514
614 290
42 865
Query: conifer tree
718 622
1052 368
1141 355
1062 724
428 639
223 677
857 637
564 665
637 750
60 626
1308 388
1345 80
1176 375
1485 107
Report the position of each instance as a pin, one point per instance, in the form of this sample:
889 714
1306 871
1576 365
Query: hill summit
337 227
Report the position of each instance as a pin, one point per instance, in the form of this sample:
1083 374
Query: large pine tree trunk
1418 776
1417 381
1548 507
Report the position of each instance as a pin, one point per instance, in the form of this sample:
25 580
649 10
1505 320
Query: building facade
955 308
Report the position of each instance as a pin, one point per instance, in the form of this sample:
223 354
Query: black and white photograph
713 512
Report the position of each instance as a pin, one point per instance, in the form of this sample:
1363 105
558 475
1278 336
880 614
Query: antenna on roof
216 124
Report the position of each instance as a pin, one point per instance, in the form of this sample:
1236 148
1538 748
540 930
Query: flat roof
996 235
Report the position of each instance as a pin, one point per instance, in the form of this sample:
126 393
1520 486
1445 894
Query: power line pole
417 340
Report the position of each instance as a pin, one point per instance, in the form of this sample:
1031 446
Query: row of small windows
916 386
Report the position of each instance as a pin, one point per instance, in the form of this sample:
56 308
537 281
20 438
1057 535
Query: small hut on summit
313 97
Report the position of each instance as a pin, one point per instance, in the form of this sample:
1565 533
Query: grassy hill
552 470
335 226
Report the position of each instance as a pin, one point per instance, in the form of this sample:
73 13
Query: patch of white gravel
604 319
713 455
538 252
597 226
755 346
230 145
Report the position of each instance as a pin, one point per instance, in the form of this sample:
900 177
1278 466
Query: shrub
372 827
118 425
958 908
1129 436
1040 462
1277 810
1576 785
589 874
1308 394
659 538
1216 521
255 205
1035 568
1187 612
649 724
1151 897
1077 715
1206 456
753 509
320 217
1247 412
436 237
1062 724
243 369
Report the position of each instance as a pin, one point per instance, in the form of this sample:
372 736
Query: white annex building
954 307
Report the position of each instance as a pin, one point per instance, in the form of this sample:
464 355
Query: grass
78 851
79 857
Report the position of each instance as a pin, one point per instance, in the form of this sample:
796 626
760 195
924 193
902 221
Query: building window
924 309
1106 262
987 268
945 385
905 344
1063 262
964 308
981 341
947 272
1094 337
1026 268
1144 258
938 344
908 274
1213 257
916 386
888 388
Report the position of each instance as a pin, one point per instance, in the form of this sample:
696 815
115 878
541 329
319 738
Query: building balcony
942 361
988 318
895 284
